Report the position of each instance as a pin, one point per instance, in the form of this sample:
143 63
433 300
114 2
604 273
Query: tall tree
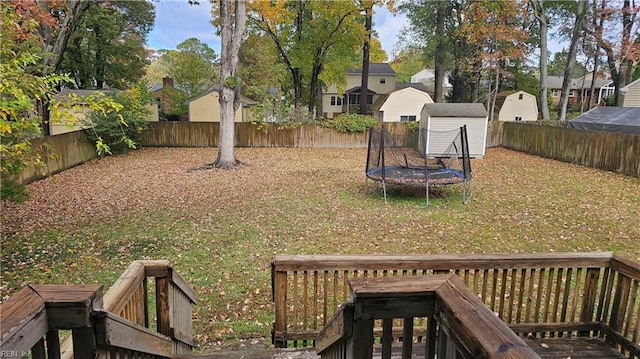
233 18
108 47
576 35
499 36
57 20
55 35
260 68
313 38
408 62
618 38
540 12
193 66
367 6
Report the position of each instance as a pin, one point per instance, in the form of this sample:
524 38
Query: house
382 80
69 119
442 122
160 93
206 107
402 104
609 119
631 94
580 89
427 77
516 106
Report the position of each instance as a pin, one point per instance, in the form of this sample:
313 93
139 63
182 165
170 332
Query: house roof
63 95
375 69
627 87
555 82
156 87
357 89
455 110
243 99
609 119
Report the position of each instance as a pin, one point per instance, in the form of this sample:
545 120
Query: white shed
631 94
518 106
442 122
401 105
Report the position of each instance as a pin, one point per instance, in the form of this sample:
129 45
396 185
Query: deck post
361 343
279 287
163 307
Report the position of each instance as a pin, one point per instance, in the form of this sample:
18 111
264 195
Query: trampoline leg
426 194
384 191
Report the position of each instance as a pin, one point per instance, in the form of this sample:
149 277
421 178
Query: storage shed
517 106
631 94
442 122
609 119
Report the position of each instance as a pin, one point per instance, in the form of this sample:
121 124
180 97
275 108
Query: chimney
167 82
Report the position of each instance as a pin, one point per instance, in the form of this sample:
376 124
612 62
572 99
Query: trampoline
388 162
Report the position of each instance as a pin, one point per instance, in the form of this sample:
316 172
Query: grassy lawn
221 229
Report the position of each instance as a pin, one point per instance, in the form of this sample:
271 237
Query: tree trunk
314 85
54 47
571 61
231 32
439 55
541 15
364 84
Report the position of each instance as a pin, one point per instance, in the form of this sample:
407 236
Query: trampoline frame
421 176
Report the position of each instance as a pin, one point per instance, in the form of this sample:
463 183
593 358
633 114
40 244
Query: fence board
606 151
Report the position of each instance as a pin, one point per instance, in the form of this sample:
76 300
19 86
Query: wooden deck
554 306
574 348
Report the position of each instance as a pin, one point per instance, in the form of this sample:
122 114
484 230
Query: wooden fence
548 294
616 152
205 134
606 151
59 153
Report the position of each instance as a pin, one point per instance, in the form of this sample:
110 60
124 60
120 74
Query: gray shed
442 120
609 119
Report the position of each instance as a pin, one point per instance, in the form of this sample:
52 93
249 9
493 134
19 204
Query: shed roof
243 99
627 87
455 110
416 85
609 119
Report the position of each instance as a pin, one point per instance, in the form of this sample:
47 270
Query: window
407 118
518 118
383 80
555 93
336 101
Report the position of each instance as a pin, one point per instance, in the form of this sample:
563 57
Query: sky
177 21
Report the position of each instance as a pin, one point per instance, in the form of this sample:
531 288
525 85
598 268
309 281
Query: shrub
116 132
351 122
412 126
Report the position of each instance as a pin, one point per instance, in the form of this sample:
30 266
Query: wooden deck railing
463 326
114 326
546 294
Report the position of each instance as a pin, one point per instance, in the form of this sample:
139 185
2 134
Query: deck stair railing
539 295
116 325
457 319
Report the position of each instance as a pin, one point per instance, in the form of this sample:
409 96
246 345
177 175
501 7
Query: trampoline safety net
433 158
